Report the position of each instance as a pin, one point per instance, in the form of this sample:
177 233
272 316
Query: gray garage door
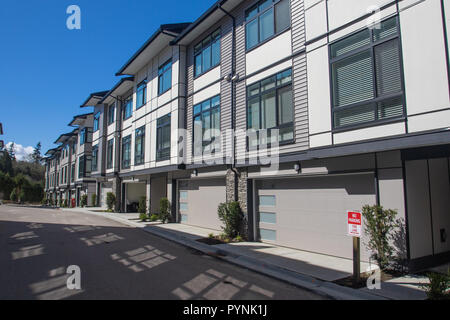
198 201
310 213
104 189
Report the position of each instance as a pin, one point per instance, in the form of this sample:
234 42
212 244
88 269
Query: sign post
354 230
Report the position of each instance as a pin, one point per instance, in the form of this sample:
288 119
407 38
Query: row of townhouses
301 110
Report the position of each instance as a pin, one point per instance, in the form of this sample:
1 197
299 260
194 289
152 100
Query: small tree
13 196
110 201
83 201
142 208
164 210
438 286
94 200
232 217
379 225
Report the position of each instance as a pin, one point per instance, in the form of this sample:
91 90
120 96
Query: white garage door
310 213
198 201
104 189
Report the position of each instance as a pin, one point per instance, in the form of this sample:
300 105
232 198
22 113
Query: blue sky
48 70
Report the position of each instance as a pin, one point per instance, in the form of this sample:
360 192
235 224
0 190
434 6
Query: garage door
104 189
198 201
310 213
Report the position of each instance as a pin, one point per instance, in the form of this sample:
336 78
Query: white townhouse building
301 110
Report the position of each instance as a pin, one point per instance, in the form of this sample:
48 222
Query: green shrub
232 218
238 239
154 217
110 201
13 196
164 209
83 202
211 236
44 201
439 286
379 226
142 207
66 203
143 216
94 199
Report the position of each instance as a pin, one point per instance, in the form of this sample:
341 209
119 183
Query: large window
83 136
163 138
96 121
141 94
128 108
270 108
109 154
111 113
94 158
207 53
126 152
72 174
265 19
367 77
165 77
207 126
139 146
81 167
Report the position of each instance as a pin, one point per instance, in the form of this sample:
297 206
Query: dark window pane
252 12
253 114
198 64
285 105
286 134
253 89
387 68
390 108
387 28
282 15
266 27
269 83
216 53
353 79
353 42
355 115
252 33
284 77
264 5
206 62
269 112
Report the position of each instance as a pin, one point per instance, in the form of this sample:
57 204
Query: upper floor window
111 113
72 174
96 121
163 138
265 19
165 77
83 136
139 146
207 126
74 147
366 77
270 109
126 152
128 108
109 154
94 158
207 53
141 94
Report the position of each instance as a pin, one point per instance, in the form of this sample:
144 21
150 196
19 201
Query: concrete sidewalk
305 269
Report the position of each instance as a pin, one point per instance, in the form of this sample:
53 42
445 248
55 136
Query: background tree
11 152
36 156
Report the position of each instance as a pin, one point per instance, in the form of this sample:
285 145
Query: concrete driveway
116 262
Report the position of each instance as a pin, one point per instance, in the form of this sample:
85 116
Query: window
265 19
81 167
111 113
126 152
207 126
96 121
141 94
128 108
269 108
207 53
163 138
74 147
83 136
94 158
165 77
366 76
72 175
109 154
139 146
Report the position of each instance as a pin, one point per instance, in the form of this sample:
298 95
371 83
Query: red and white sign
354 224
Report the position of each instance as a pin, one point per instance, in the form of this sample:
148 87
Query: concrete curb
320 287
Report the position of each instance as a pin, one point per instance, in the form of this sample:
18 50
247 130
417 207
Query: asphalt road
116 262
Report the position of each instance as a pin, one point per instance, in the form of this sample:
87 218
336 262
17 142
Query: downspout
232 78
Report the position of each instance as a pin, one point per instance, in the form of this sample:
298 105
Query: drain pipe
232 78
